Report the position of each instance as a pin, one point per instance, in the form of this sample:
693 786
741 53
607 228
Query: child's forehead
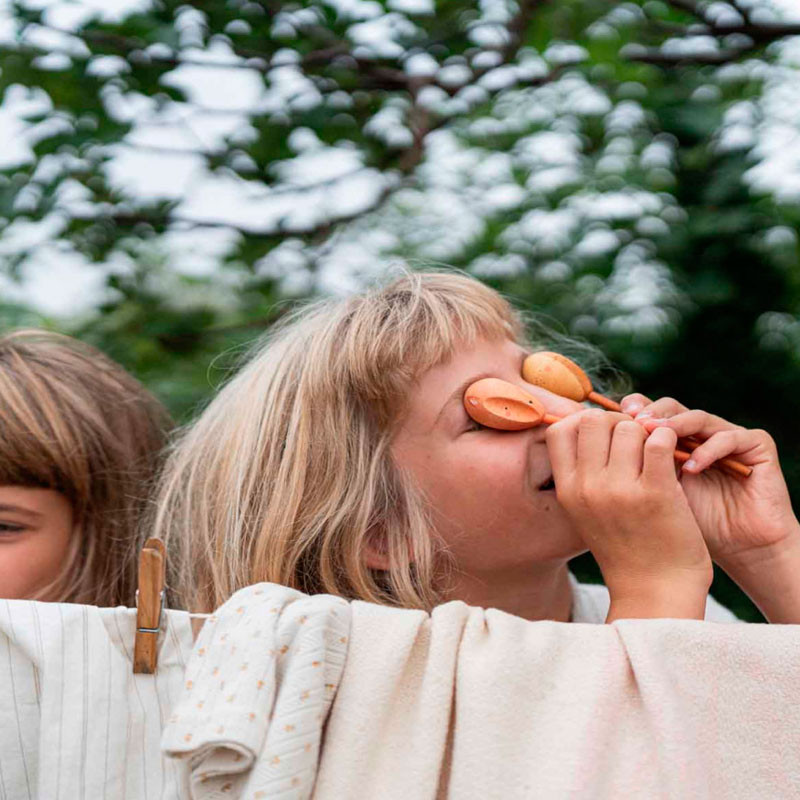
492 358
441 388
482 350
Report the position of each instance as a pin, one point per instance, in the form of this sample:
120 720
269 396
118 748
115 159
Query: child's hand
737 516
747 523
620 489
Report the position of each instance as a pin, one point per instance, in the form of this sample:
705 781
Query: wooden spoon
564 377
502 405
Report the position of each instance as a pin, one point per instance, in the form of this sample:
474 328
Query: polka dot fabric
258 688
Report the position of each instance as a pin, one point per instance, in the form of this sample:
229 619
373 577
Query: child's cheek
502 466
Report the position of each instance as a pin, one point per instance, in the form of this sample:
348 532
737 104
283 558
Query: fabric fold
257 690
472 703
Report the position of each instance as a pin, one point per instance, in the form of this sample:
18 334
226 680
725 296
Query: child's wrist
783 550
659 597
770 577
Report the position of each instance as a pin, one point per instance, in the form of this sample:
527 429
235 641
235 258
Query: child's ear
376 553
375 558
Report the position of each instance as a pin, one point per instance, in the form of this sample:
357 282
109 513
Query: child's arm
747 523
771 579
620 490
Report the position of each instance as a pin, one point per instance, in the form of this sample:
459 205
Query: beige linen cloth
362 701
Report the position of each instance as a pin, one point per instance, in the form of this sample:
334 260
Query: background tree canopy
630 170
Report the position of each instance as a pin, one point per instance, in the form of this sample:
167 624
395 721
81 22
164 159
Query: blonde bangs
392 335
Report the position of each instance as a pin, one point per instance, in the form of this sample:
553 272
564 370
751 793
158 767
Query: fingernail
632 408
644 415
691 464
659 421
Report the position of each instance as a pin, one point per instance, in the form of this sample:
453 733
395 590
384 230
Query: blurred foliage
574 154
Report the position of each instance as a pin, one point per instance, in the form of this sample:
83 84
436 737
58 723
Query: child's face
36 528
483 485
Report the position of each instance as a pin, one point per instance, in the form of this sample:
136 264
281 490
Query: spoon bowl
499 404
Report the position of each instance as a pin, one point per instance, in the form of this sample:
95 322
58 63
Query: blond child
340 460
79 442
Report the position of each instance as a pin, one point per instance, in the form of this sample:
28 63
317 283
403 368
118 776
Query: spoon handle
690 443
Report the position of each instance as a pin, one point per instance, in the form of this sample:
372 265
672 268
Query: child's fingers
658 467
692 423
663 407
634 403
562 446
626 453
594 440
751 447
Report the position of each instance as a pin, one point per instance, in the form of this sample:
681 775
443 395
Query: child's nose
554 403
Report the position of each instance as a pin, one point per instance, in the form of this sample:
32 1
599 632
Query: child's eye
476 426
7 527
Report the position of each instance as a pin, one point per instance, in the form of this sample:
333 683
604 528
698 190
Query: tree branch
760 34
690 7
126 45
132 219
660 58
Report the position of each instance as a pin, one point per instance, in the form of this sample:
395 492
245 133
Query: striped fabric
75 722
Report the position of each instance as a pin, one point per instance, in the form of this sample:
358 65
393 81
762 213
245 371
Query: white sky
60 282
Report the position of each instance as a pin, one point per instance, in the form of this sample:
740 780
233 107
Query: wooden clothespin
149 605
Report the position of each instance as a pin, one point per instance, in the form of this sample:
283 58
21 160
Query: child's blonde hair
74 421
287 475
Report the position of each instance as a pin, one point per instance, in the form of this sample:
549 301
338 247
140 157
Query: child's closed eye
9 528
476 426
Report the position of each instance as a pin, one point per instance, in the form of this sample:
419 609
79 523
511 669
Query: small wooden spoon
564 377
502 405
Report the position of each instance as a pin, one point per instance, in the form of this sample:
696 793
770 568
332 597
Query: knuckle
628 427
725 438
667 407
560 428
661 440
762 434
587 496
619 497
